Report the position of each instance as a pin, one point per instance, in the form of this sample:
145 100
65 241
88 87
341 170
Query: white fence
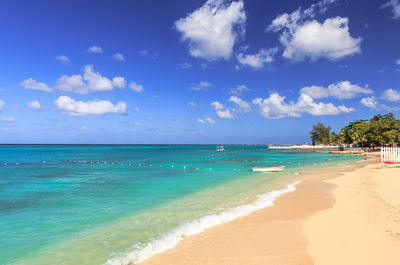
390 155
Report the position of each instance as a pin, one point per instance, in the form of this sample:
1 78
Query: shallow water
77 204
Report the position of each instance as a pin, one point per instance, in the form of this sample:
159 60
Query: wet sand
281 234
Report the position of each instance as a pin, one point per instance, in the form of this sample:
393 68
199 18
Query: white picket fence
390 155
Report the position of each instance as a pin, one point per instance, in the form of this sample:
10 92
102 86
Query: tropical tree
320 134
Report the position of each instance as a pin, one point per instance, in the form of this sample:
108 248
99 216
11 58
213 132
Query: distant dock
298 147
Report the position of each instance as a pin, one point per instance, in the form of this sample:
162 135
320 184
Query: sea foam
171 238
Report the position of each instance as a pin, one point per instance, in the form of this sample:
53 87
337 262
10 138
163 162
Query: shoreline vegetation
347 214
380 130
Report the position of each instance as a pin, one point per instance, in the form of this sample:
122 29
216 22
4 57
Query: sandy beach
347 215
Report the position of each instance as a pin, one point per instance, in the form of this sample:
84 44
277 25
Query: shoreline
195 249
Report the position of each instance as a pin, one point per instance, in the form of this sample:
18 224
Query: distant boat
220 148
268 169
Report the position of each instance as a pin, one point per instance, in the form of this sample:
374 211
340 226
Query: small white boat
268 169
220 148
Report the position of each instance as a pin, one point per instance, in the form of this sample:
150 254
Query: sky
183 72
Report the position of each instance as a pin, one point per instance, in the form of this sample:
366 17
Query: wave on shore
170 239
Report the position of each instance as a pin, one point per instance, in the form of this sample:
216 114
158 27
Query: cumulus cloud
239 90
35 85
243 105
217 105
95 49
372 103
206 120
119 57
257 60
34 105
119 82
398 61
369 102
202 86
391 95
395 6
91 81
213 29
191 104
339 90
275 107
225 114
70 106
62 58
303 37
136 87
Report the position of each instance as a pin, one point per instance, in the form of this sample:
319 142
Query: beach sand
333 217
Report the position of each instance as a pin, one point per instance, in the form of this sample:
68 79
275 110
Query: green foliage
380 129
320 134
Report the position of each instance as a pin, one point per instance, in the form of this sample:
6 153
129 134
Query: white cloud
191 104
95 81
5 129
62 58
144 52
225 114
150 118
372 103
95 49
217 105
206 120
314 40
2 103
369 102
90 82
339 90
7 119
257 60
398 61
73 83
275 107
84 128
34 85
391 95
180 120
136 87
185 65
395 5
138 124
239 90
119 57
213 29
305 38
202 86
136 109
35 105
243 105
119 82
69 106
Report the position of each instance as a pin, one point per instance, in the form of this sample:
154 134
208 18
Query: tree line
379 130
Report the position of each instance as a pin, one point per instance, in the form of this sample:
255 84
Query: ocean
121 204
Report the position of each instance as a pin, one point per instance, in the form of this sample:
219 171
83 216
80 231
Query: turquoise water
77 204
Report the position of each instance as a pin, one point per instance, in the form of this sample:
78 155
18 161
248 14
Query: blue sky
194 71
